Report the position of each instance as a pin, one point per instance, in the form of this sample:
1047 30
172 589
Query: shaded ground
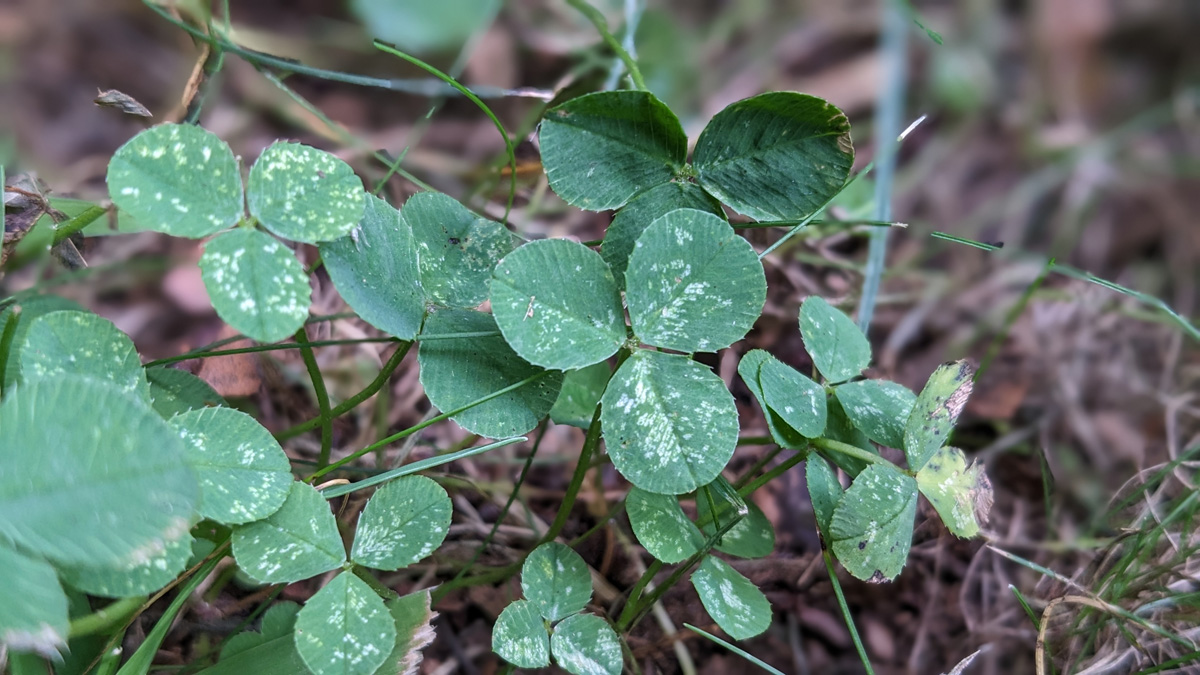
1062 128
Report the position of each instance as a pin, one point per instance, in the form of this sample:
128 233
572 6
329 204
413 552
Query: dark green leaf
585 644
298 541
632 220
345 629
824 490
776 156
174 391
178 179
520 636
29 309
107 488
732 600
405 521
669 423
752 537
375 270
693 284
256 284
456 371
794 397
557 305
602 149
879 408
241 468
748 369
661 526
304 194
556 580
837 347
936 410
581 391
456 249
872 526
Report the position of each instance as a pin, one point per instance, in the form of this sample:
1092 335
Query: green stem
581 468
749 488
6 340
353 402
635 595
260 348
107 617
482 579
321 393
508 144
65 230
415 87
431 421
888 112
841 600
512 497
601 25
1014 313
757 466
852 451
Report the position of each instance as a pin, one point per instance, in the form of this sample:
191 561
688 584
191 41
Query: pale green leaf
794 397
669 423
732 600
255 284
420 27
456 248
520 636
345 629
174 391
879 408
178 179
581 392
557 304
456 371
837 347
241 468
81 344
375 271
661 526
270 652
277 622
130 580
304 194
298 541
585 644
107 488
693 284
600 150
824 490
961 494
872 526
413 615
556 580
405 521
633 219
776 156
936 410
782 433
33 616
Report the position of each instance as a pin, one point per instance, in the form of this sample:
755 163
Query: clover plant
155 473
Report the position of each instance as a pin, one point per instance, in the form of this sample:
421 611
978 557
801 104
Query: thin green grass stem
601 25
1010 318
508 144
590 442
845 609
416 467
321 394
429 422
349 404
889 108
734 648
263 348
